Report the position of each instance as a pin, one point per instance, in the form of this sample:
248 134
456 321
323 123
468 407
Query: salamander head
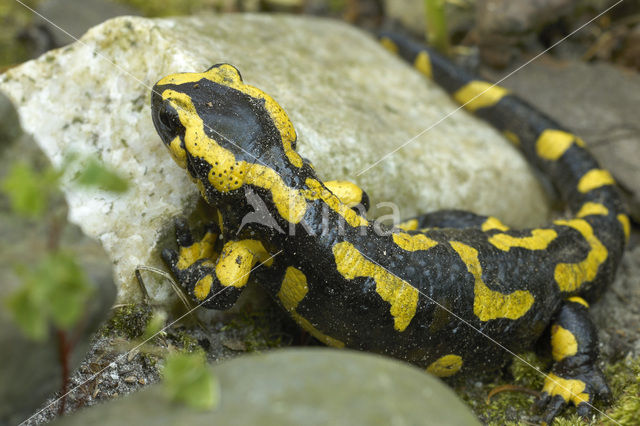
222 130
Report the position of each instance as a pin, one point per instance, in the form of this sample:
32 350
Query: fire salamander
439 290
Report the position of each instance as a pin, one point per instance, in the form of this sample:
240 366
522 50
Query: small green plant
29 190
188 380
437 33
155 325
54 289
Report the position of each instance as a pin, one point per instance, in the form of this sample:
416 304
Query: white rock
350 101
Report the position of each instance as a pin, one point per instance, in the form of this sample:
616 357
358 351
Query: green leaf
95 174
155 325
188 380
55 290
68 289
28 190
27 314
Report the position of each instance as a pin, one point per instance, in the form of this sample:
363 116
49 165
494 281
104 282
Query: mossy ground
128 321
514 407
245 331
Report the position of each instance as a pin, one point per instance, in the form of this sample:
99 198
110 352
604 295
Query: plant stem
64 351
437 34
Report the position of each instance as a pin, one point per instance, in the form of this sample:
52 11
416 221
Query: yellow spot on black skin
237 259
202 249
423 64
203 287
446 366
401 295
579 300
409 225
489 304
348 192
317 191
563 343
511 137
413 242
592 209
493 223
552 143
626 225
595 179
539 240
294 288
479 94
388 44
571 276
570 390
178 153
226 173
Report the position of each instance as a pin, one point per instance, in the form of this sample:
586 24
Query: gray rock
509 17
30 370
300 386
66 20
350 100
10 129
504 26
618 312
597 101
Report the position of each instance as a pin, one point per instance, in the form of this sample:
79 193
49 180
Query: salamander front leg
574 378
214 280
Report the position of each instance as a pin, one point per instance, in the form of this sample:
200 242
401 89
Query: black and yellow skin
429 291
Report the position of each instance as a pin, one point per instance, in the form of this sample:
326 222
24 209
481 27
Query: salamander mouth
171 130
165 118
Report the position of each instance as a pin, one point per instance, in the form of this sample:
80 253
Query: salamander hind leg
194 266
575 378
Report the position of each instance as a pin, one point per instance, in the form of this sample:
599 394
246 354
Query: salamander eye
169 118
